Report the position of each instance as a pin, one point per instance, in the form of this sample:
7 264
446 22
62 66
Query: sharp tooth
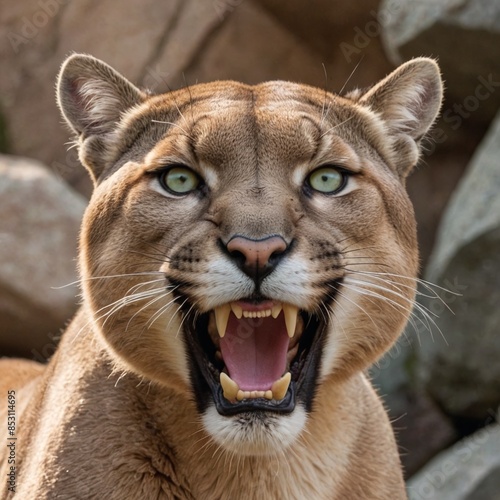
290 313
275 311
229 387
237 310
221 318
280 387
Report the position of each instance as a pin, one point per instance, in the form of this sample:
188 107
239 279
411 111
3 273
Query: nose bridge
256 217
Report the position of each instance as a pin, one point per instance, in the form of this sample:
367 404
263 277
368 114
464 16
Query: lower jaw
227 408
255 433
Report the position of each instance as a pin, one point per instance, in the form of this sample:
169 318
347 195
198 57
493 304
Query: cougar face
248 246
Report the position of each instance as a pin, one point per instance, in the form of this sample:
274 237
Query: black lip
224 407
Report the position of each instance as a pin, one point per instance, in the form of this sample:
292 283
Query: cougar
247 253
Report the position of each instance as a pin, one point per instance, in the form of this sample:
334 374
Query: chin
256 433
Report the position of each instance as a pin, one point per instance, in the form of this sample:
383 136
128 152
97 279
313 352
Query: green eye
327 180
179 180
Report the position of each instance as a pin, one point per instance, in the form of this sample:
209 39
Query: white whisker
77 282
159 312
396 305
344 296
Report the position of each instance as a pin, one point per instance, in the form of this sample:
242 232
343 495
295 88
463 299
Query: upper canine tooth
281 385
290 312
229 387
275 311
221 318
237 310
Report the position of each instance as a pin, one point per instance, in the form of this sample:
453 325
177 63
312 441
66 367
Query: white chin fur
255 434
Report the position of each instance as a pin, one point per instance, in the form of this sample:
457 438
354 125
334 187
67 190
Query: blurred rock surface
38 234
464 35
460 368
469 470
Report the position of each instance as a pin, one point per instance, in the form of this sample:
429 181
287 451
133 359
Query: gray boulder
38 235
469 470
465 36
460 366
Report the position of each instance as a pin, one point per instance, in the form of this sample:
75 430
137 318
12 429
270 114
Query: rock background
461 368
436 392
38 236
470 470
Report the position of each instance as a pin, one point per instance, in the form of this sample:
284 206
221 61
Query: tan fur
114 414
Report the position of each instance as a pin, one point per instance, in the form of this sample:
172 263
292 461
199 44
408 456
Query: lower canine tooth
280 387
290 313
221 318
229 387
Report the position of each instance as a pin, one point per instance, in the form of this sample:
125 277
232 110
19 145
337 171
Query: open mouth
255 355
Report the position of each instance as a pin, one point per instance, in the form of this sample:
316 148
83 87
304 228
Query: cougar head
248 246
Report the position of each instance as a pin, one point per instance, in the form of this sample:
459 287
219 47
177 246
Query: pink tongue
254 351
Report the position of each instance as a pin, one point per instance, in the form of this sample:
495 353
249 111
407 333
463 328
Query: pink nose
256 258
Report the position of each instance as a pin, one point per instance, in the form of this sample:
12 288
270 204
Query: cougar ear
408 101
92 98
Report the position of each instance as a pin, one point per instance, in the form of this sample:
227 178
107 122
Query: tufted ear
92 98
408 101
